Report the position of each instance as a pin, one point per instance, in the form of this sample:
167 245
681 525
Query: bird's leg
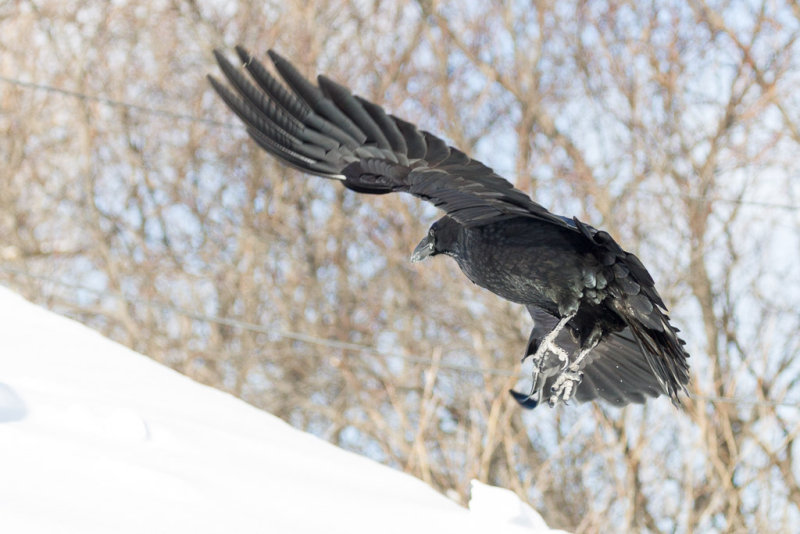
547 343
567 382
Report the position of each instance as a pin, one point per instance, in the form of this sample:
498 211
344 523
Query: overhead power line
755 203
191 118
342 345
116 103
253 327
307 338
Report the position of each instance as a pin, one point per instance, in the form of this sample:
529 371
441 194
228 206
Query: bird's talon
526 401
564 386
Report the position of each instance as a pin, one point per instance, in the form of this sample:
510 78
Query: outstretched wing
326 131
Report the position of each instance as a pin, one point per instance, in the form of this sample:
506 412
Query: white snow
97 438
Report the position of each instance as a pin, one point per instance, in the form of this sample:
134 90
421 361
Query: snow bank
97 438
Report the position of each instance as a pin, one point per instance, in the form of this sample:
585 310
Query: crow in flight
600 328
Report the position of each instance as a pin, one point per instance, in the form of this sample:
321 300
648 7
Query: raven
600 327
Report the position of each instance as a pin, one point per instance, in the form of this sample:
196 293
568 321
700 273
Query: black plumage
600 327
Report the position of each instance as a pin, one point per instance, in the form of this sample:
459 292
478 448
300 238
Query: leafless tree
131 201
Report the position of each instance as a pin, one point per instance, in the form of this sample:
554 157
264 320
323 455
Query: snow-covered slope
97 438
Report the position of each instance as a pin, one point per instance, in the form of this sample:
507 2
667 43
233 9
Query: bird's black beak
423 250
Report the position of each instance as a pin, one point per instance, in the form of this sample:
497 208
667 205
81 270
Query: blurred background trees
131 200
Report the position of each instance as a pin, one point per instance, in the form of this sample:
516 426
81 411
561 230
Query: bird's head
442 238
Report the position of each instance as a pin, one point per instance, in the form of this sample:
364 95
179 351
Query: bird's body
522 260
600 327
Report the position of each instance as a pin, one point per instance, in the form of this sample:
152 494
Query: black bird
600 328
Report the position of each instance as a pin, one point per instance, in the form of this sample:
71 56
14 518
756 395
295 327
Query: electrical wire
337 344
307 338
116 103
212 122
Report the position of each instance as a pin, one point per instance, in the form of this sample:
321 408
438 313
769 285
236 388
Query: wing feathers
415 143
327 135
388 127
292 158
270 85
325 129
437 150
352 108
312 96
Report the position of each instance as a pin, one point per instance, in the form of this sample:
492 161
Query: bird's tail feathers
665 355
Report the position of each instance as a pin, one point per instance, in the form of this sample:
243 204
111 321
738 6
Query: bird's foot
561 353
565 385
536 396
545 346
547 343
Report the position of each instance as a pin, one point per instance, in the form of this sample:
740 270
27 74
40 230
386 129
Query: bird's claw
529 401
542 349
564 386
